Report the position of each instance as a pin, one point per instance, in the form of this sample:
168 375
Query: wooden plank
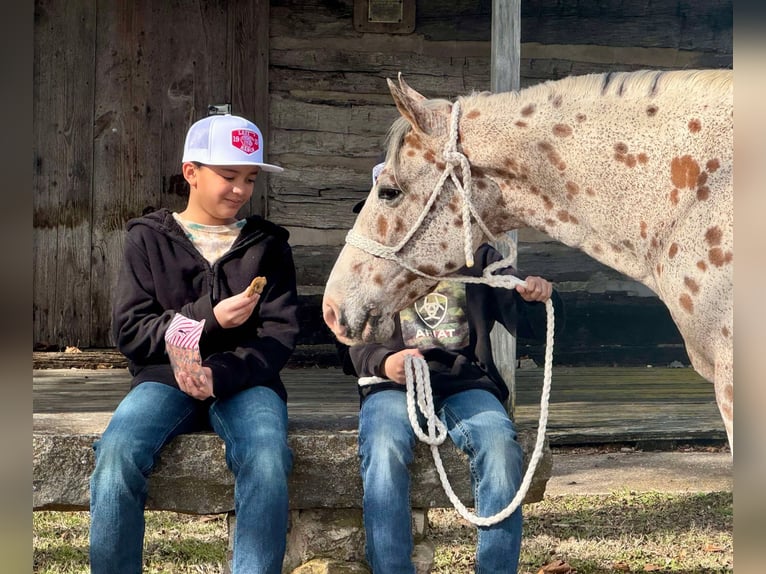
506 24
599 405
704 25
144 106
192 76
127 130
62 184
249 76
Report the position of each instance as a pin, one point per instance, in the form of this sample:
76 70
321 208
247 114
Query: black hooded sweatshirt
470 367
164 274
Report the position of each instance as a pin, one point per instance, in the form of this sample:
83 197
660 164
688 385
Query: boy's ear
189 171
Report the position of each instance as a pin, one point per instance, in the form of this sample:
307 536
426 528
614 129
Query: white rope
419 391
416 369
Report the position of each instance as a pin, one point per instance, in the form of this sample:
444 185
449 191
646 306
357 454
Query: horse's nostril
330 315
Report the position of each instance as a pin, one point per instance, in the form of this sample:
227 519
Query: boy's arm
139 322
368 359
262 352
528 320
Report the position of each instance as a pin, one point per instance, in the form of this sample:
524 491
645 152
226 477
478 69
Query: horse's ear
411 105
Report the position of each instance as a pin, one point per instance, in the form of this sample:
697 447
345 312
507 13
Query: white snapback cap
226 140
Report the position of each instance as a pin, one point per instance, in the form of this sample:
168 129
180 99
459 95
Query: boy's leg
253 424
146 419
386 443
480 427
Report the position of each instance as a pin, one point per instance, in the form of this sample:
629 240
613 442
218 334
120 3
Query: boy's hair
226 140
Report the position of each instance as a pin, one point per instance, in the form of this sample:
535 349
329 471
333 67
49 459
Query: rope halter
453 159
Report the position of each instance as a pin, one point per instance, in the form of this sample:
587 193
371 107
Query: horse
633 168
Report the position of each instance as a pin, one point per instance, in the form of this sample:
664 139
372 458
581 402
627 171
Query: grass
593 534
599 534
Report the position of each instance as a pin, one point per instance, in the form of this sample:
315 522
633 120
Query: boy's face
218 192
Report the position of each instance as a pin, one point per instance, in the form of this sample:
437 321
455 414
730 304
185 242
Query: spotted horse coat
634 169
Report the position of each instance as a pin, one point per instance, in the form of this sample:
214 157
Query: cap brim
270 167
264 166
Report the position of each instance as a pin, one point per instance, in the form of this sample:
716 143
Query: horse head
418 222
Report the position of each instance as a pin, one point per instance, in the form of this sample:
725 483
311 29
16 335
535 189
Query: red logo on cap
246 140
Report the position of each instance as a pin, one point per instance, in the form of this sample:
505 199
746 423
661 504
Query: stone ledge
191 475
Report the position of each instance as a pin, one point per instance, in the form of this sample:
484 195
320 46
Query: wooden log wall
116 86
330 109
107 147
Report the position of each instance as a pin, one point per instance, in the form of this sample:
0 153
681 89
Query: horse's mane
639 84
628 85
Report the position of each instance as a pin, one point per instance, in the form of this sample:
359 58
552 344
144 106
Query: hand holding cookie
256 286
235 310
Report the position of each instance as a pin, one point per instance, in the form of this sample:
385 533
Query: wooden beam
505 77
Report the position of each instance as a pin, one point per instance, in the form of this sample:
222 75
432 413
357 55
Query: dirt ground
601 471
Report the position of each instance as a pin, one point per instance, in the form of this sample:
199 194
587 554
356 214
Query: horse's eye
388 193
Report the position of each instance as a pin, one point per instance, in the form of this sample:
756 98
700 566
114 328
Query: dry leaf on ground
557 567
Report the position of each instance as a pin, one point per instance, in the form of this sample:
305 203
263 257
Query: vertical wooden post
505 77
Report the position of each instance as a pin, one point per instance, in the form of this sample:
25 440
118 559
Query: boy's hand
235 310
197 385
537 289
393 366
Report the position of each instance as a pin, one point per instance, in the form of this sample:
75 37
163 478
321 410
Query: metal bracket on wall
384 16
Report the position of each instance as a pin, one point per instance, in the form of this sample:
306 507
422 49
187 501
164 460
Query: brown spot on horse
691 285
684 171
713 236
686 303
382 227
695 126
717 257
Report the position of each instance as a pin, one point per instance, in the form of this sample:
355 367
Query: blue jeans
479 425
253 425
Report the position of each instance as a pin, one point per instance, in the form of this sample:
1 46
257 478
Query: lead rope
419 394
418 380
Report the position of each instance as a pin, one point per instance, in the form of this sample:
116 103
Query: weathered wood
686 24
506 25
63 163
587 405
116 87
248 36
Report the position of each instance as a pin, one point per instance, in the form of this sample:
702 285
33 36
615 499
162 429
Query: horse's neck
576 172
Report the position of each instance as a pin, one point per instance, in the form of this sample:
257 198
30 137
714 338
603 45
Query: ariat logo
432 309
245 140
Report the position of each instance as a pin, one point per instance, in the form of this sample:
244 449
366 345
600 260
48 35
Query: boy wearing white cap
200 263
